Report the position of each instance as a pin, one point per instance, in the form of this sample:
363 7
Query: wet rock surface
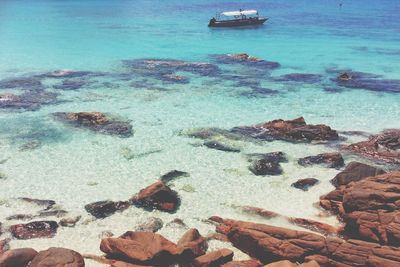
157 196
140 248
215 258
96 121
192 245
58 257
270 244
355 171
328 160
305 184
296 130
369 207
36 229
103 209
17 257
267 163
383 147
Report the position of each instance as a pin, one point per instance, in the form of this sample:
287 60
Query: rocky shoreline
366 202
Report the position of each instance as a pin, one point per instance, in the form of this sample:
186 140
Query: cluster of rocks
296 130
383 147
29 100
96 121
245 59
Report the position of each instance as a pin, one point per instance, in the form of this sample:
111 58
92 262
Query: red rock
192 245
296 130
328 160
369 207
244 263
378 192
58 257
375 225
383 147
103 209
269 243
17 257
355 171
157 196
284 263
214 259
140 248
37 229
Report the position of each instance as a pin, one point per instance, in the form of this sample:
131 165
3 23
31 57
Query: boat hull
237 23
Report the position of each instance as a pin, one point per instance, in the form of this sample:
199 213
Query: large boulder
369 207
214 259
17 257
296 130
355 171
328 160
37 229
192 245
270 244
57 257
141 248
103 209
382 147
157 196
96 121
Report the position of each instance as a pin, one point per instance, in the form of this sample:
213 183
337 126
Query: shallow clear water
48 160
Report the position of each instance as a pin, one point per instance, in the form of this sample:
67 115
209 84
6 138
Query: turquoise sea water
42 158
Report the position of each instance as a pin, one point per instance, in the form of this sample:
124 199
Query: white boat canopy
240 13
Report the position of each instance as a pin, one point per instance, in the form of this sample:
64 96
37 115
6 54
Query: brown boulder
375 225
355 171
57 257
269 243
192 245
296 130
214 259
378 192
157 196
369 207
103 209
17 257
37 229
140 248
383 147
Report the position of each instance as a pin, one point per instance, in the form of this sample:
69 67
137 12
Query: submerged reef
97 122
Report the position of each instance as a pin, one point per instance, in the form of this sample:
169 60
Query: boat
237 19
